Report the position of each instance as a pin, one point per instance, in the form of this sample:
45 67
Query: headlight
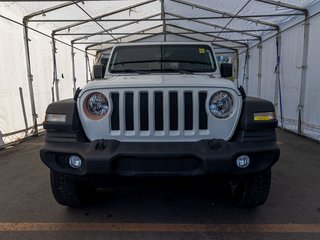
221 104
96 106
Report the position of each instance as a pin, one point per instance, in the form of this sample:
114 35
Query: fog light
75 161
243 161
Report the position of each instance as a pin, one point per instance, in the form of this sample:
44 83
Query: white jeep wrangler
162 109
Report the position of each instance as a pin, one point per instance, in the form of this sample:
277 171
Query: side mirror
226 70
97 71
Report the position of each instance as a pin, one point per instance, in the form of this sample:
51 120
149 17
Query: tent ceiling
96 24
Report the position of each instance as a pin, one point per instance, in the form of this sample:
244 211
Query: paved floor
167 210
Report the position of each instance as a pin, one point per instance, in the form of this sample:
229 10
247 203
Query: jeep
161 109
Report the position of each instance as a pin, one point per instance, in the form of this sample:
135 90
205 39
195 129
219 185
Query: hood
161 80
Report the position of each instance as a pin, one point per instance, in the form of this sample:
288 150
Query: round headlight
96 106
221 104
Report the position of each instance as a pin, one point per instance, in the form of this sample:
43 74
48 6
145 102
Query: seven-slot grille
159 112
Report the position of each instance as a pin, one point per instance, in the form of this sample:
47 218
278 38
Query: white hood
168 80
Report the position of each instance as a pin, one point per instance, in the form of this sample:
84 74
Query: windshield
163 59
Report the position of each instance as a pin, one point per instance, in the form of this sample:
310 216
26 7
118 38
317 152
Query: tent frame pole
74 79
96 18
303 68
191 38
86 60
247 70
103 32
238 68
54 67
227 29
29 75
163 18
211 35
167 19
259 69
285 5
278 92
230 15
120 38
23 110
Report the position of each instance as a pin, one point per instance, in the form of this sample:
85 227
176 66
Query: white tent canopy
59 39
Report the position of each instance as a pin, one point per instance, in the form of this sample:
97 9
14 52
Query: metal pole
303 73
285 5
231 15
168 19
247 70
278 93
89 68
86 35
236 55
259 69
23 110
211 35
227 29
121 38
55 77
104 15
86 58
30 77
73 68
163 17
245 32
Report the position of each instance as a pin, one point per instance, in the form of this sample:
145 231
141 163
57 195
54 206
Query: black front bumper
114 158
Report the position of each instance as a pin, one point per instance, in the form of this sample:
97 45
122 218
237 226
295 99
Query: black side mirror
97 71
226 70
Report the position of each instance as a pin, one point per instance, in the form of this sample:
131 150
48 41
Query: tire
251 191
70 192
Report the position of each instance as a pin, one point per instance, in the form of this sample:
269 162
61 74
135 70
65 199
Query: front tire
70 192
251 191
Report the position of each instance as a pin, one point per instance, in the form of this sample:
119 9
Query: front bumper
114 158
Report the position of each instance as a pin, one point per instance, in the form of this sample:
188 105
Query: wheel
251 191
70 192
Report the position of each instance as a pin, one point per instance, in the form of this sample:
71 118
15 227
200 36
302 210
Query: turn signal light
264 116
50 117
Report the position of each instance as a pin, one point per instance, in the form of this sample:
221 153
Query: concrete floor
171 210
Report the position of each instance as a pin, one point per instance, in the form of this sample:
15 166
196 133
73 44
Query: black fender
249 130
69 131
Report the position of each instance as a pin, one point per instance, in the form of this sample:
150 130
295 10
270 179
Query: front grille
159 112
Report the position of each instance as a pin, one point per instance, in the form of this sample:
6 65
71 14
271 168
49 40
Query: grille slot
203 118
173 114
144 109
158 112
158 106
129 111
115 125
188 111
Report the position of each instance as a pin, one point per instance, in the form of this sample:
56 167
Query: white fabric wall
13 74
311 121
268 76
291 61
